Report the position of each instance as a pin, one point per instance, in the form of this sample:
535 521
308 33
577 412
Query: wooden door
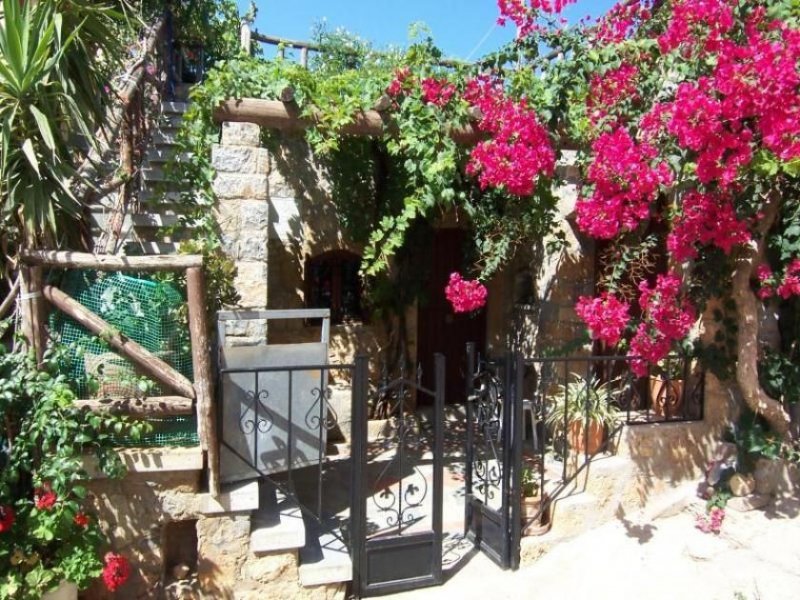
439 329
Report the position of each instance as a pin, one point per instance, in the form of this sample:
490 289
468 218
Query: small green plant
530 484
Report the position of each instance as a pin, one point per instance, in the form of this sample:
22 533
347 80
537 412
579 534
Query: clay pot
580 442
529 509
666 397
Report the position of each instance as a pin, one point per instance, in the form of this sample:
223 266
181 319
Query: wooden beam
32 310
277 115
142 358
203 377
66 259
157 405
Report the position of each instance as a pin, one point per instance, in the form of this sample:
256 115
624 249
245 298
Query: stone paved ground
756 557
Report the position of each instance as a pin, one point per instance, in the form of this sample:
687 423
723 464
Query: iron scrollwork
322 395
257 416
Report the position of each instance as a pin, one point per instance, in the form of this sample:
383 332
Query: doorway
439 329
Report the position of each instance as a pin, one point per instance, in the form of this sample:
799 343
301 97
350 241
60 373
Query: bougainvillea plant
686 121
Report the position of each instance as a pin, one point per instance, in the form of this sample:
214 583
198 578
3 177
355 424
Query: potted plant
666 387
583 411
50 544
533 501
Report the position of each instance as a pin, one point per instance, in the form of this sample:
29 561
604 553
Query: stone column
242 212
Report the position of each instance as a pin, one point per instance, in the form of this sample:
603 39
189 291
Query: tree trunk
747 308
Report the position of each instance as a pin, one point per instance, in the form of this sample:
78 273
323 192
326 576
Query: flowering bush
46 534
465 295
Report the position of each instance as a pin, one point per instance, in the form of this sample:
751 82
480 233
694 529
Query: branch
747 305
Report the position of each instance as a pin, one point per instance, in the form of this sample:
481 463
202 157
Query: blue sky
461 28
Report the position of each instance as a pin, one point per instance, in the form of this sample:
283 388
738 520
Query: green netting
151 313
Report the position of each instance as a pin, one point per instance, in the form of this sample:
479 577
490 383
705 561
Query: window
332 281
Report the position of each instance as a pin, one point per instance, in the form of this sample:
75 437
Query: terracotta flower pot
530 508
65 591
666 397
577 436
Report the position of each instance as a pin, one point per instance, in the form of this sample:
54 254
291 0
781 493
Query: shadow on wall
305 223
668 454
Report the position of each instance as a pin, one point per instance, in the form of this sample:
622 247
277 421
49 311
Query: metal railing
566 410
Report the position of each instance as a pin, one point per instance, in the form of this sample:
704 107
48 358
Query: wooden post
149 407
33 318
304 57
245 38
203 381
149 363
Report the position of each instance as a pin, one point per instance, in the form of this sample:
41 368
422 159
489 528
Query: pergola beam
274 114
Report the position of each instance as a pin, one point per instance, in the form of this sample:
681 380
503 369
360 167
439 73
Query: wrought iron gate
397 490
494 457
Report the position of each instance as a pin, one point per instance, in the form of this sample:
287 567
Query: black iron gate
397 490
494 457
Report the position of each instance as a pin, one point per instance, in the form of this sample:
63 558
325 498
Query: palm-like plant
584 401
54 58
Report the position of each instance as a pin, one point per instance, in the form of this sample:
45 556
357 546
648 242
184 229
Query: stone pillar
243 212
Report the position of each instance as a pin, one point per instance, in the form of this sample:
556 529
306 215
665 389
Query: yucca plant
55 56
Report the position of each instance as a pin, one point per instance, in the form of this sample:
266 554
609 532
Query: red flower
44 498
116 570
81 519
6 518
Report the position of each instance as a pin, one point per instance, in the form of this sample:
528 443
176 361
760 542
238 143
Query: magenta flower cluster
705 219
626 178
667 316
711 523
465 295
519 149
606 316
785 287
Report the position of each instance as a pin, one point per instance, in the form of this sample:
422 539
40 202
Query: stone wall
135 513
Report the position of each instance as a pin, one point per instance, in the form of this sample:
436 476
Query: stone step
239 497
324 559
158 155
152 198
174 107
165 137
278 523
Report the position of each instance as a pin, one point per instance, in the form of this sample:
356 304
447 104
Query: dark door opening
439 329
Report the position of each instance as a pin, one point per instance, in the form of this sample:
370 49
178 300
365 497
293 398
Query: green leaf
44 127
30 154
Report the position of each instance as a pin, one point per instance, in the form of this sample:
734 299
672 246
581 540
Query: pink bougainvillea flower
116 570
465 295
666 318
705 220
6 518
625 184
437 91
519 150
44 498
606 316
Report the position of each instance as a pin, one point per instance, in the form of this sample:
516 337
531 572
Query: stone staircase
158 198
278 526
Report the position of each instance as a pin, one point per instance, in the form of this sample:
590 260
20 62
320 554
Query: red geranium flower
81 519
44 498
116 570
6 518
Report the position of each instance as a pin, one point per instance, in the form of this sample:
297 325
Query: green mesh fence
146 311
